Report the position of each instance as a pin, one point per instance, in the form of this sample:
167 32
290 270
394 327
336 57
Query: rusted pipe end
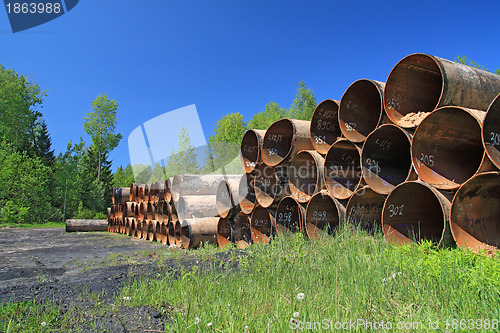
342 169
132 196
261 225
361 109
306 175
246 193
283 139
364 209
447 148
270 184
144 228
242 235
175 189
224 200
151 214
475 213
164 233
324 129
290 217
323 215
132 227
151 230
171 233
416 211
491 132
178 234
168 190
157 228
138 229
140 193
386 158
251 146
196 231
224 232
143 210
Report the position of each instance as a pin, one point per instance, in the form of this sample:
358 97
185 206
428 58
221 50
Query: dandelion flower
196 320
296 315
209 324
300 296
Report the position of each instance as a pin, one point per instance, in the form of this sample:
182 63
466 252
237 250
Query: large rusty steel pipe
186 185
154 190
151 211
246 193
290 216
195 206
151 230
147 196
132 226
86 225
120 195
361 109
227 201
420 83
144 229
323 215
140 193
164 211
284 139
195 232
171 233
447 148
324 129
138 229
168 189
178 234
306 175
261 224
270 185
364 209
143 211
162 188
342 169
164 233
224 232
491 132
128 209
251 147
242 235
416 211
475 213
126 224
386 158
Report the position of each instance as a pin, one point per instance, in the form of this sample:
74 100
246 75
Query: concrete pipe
195 232
227 201
284 139
361 109
306 175
270 185
420 83
386 158
475 213
491 132
242 235
171 233
447 148
416 211
262 224
246 193
324 129
195 206
342 171
364 209
290 217
250 149
178 234
187 185
164 233
120 195
323 215
224 232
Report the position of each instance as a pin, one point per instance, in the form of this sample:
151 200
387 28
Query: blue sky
154 56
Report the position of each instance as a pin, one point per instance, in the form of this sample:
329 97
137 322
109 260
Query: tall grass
352 281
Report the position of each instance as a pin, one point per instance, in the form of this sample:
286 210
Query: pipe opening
242 235
447 148
224 200
269 184
386 158
250 150
171 233
361 109
246 193
224 232
164 233
306 175
324 127
261 225
342 171
414 85
323 215
185 235
278 142
364 209
290 216
413 212
491 131
178 234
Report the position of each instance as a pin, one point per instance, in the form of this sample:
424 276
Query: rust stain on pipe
242 235
171 233
420 83
270 185
195 206
224 232
342 169
120 195
246 193
227 201
163 233
284 139
447 148
364 209
306 175
178 234
290 217
491 132
475 213
196 231
361 109
416 211
324 129
251 146
261 224
323 215
187 185
386 158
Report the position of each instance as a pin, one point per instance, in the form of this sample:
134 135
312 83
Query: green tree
185 160
273 112
43 144
157 174
100 124
303 104
466 61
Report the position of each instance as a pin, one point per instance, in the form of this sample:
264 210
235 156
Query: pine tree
43 144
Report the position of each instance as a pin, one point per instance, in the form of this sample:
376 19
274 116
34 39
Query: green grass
34 225
352 276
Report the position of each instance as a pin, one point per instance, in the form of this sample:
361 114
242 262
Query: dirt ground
50 264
